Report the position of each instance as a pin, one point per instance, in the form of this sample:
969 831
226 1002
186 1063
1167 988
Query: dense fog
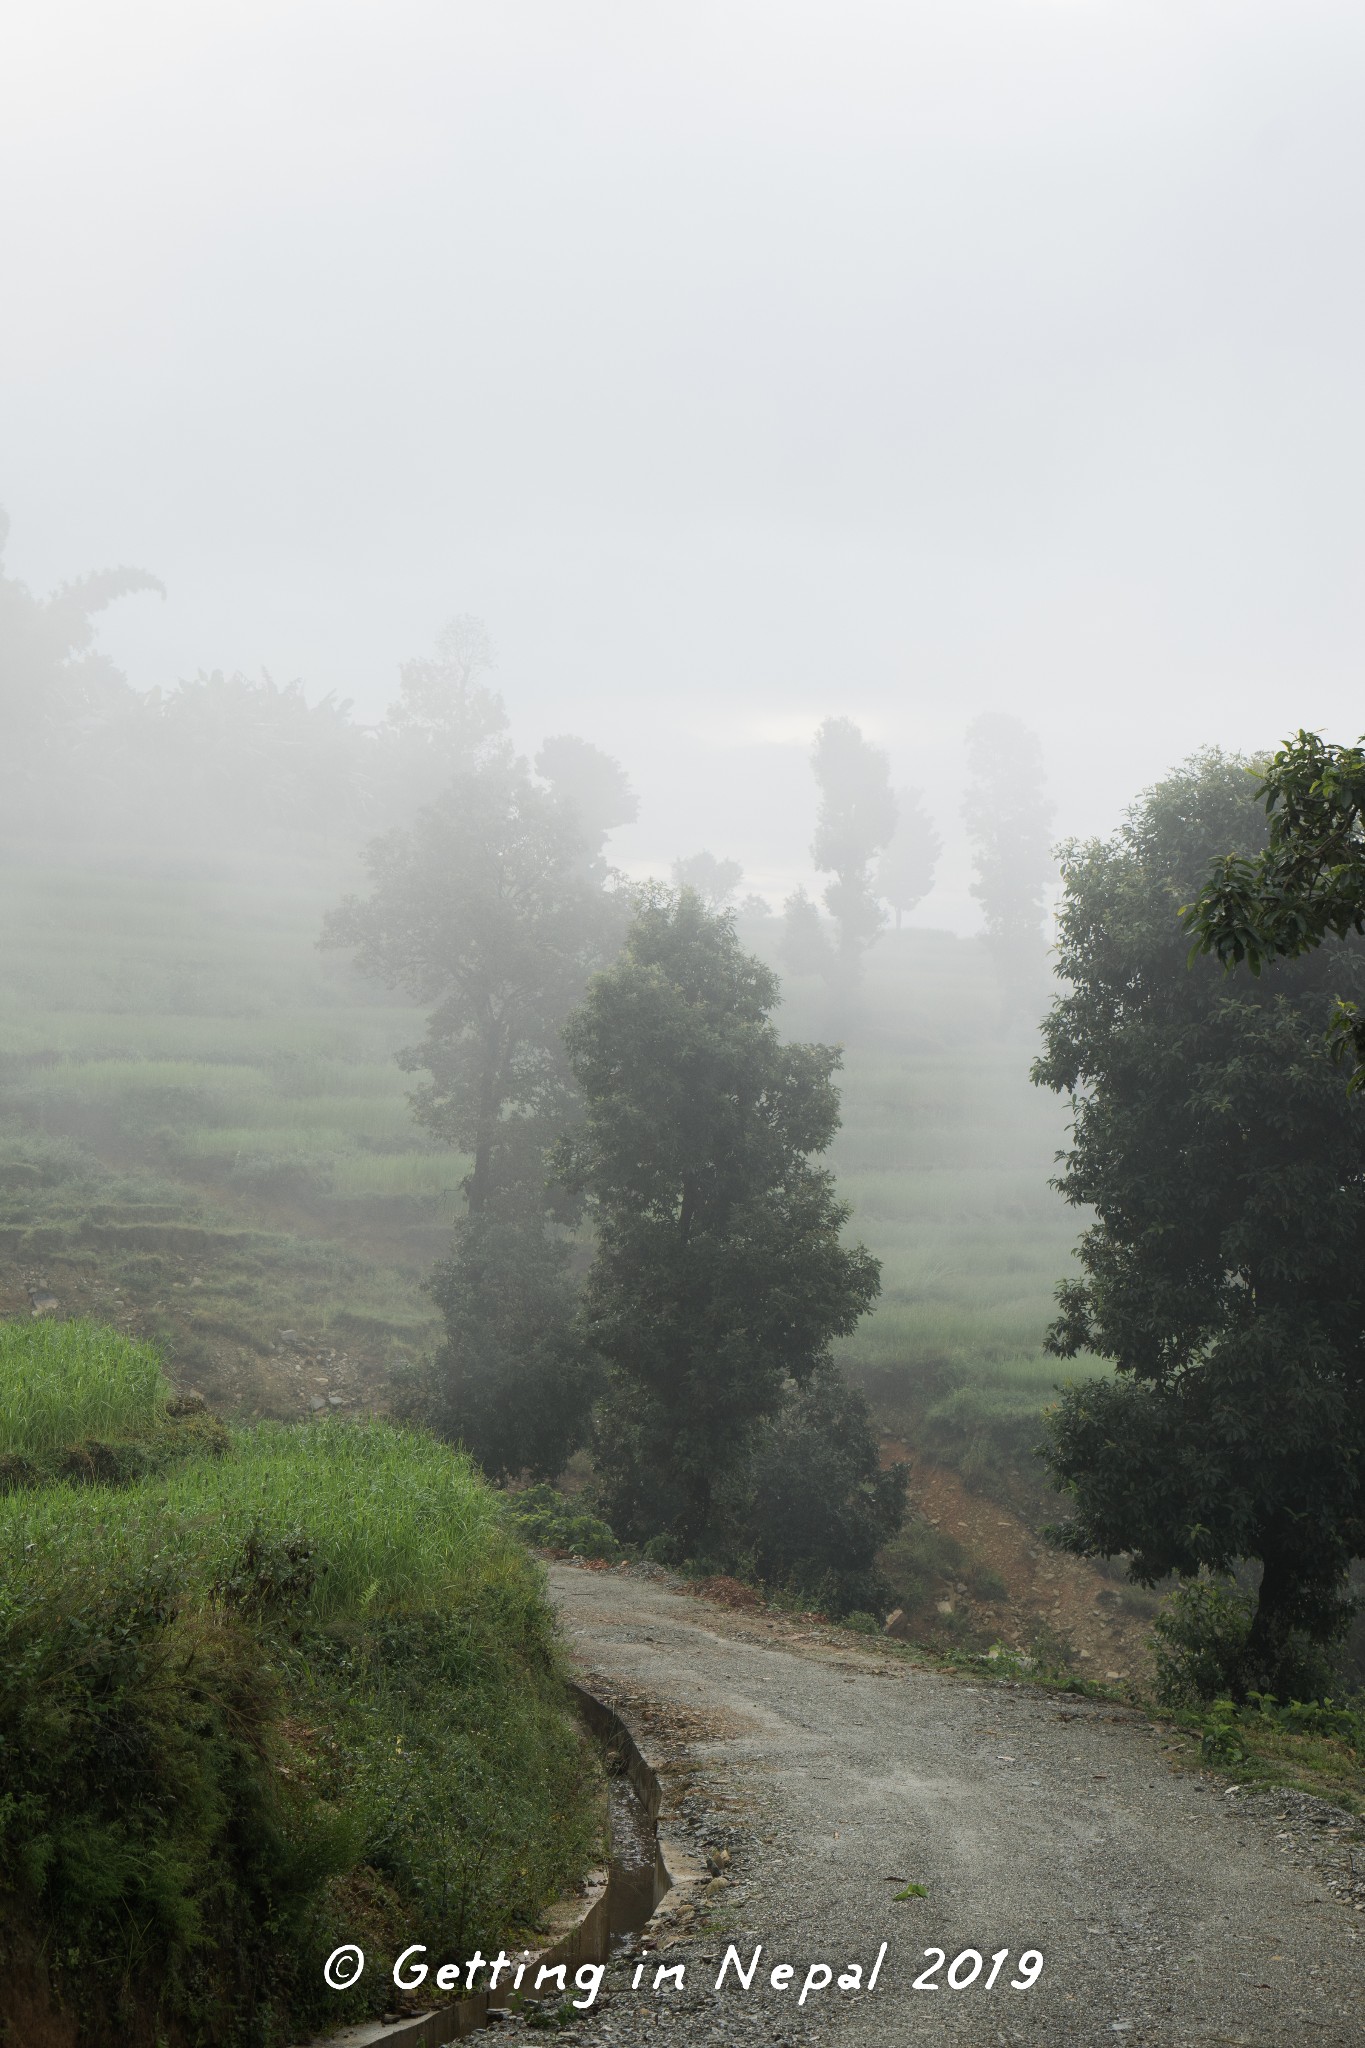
736 365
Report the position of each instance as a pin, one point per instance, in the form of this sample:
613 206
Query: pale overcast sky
739 363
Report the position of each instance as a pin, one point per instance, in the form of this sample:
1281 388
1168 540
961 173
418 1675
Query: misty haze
682 1013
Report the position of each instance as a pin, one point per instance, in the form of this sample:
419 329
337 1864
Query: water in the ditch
637 1882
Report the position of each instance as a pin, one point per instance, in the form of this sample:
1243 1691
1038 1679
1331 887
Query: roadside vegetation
292 1687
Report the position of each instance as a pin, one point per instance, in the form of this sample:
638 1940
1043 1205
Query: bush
551 1521
1201 1643
813 1508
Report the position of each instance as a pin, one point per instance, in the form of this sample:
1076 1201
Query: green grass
945 1153
61 1383
253 1705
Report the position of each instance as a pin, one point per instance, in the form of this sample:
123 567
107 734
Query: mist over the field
738 365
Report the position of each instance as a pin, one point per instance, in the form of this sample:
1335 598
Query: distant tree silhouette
715 881
1007 817
590 783
856 820
905 872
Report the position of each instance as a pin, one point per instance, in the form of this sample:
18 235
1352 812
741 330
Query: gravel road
820 1777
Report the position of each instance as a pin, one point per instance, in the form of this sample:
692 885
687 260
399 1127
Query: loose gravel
813 1779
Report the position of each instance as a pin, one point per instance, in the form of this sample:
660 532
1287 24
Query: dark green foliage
1202 1638
1307 883
812 1506
1225 1273
719 1274
512 1382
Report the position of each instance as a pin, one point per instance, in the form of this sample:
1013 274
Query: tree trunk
1268 1640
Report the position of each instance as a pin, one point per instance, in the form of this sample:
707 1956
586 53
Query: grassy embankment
291 1687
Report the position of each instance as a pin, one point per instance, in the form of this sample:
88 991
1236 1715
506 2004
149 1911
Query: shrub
813 1508
551 1521
1201 1642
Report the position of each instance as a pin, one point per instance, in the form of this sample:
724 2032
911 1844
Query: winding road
820 1778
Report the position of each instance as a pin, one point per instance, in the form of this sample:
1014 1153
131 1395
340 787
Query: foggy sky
738 363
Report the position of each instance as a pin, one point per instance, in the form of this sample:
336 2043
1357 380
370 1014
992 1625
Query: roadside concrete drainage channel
616 1902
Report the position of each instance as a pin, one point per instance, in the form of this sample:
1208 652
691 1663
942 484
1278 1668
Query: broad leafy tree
1306 884
1224 1271
720 1275
590 784
856 819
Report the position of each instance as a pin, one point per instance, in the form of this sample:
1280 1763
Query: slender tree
1007 817
719 1277
905 872
856 820
483 909
1224 1274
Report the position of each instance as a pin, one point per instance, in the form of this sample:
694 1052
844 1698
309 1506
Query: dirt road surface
820 1778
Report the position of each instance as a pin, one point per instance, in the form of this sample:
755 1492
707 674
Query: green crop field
205 1138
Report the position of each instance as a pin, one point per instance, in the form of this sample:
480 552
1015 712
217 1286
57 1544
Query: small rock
315 1401
894 1620
946 1607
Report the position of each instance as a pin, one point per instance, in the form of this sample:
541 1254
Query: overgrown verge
256 1705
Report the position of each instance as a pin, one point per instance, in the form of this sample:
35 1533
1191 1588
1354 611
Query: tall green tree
1007 816
1224 1273
856 819
483 909
720 1276
1306 884
491 908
